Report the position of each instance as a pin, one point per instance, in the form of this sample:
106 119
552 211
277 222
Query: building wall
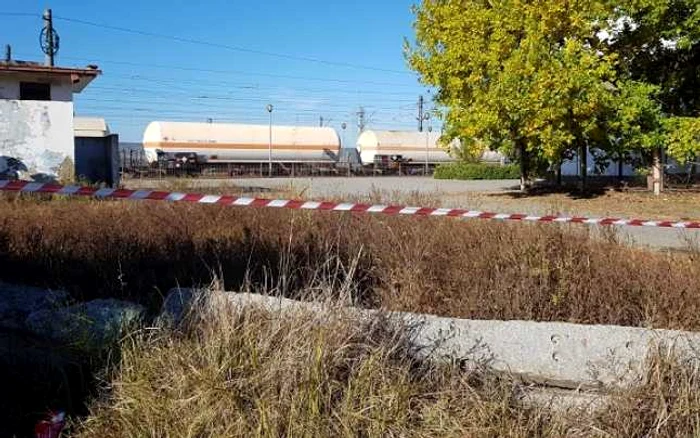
9 88
97 159
61 89
39 133
572 167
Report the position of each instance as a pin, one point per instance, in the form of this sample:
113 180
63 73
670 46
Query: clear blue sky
148 78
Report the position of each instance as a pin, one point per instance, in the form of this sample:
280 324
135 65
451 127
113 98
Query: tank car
239 143
407 149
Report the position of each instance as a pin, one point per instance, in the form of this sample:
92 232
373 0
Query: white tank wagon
238 143
413 147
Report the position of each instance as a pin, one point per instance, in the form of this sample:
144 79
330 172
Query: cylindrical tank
222 143
418 147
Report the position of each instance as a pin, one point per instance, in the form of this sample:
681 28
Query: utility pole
421 116
361 123
322 121
48 34
427 149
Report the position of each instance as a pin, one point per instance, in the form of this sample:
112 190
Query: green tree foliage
521 75
633 122
658 42
683 138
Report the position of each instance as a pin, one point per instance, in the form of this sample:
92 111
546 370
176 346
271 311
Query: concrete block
17 302
554 354
557 354
176 306
89 327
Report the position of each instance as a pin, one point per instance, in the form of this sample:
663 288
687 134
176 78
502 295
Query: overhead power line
220 88
227 46
162 91
18 14
219 85
147 107
237 72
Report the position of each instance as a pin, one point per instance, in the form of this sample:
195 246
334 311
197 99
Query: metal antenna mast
49 38
422 115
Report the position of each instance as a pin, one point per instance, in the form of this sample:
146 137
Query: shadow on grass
37 377
595 187
600 186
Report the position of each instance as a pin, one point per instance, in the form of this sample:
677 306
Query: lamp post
269 144
342 145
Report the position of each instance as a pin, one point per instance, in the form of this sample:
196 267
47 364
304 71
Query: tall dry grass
254 373
465 269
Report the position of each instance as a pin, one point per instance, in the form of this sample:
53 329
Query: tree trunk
620 168
657 173
559 179
693 171
583 166
524 169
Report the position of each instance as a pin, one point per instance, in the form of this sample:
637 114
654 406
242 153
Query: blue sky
149 78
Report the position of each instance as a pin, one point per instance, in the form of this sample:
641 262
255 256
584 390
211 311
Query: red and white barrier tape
391 210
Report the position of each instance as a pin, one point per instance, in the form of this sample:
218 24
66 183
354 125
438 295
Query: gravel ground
450 193
339 186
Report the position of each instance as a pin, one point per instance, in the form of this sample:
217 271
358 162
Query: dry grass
667 404
464 269
251 373
216 187
602 201
257 374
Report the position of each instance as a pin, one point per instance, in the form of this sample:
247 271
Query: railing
140 168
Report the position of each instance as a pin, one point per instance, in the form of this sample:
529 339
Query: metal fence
134 165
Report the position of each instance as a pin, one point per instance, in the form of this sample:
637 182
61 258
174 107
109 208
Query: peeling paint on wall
39 133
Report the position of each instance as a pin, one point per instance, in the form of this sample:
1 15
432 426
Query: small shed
96 151
36 115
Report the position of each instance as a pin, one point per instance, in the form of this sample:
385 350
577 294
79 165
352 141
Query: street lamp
269 144
342 145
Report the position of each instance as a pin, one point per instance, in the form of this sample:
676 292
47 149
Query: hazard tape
390 210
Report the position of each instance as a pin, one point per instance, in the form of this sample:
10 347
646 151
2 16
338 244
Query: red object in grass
51 426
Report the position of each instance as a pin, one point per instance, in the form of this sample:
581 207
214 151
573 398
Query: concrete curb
553 354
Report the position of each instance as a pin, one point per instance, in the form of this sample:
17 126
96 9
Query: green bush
477 171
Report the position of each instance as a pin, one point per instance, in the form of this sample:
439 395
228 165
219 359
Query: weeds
469 269
252 373
232 372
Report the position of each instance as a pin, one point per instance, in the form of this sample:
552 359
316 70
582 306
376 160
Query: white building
36 114
573 167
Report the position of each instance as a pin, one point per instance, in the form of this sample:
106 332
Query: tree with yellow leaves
519 75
